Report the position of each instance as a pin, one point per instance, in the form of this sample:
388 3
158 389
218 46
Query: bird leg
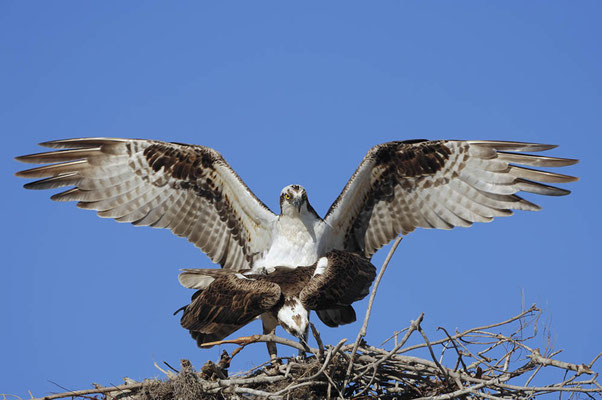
269 323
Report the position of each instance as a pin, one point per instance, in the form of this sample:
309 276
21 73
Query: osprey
229 299
191 190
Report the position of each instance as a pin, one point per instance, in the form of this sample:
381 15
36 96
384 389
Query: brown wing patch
400 186
398 165
346 279
290 280
193 169
188 189
226 305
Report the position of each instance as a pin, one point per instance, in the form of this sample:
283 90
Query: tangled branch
496 361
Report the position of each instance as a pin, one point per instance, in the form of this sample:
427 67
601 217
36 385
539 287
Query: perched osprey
191 190
231 299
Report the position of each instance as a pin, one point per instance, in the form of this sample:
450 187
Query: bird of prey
231 299
398 187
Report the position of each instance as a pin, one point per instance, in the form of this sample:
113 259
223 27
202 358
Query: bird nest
496 361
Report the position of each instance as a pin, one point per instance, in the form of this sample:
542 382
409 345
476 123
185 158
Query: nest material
497 361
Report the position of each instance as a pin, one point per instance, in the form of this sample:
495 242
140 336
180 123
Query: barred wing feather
188 189
400 186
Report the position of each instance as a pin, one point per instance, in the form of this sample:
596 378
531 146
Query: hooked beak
296 201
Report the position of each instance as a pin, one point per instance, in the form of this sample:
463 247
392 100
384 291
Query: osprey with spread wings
191 190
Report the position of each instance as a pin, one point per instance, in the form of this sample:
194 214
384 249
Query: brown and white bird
398 187
227 300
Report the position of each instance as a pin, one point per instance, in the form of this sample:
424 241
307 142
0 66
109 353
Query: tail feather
334 317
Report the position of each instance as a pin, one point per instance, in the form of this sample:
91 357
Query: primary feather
400 186
191 190
188 189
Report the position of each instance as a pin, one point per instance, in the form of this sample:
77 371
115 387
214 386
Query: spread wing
400 186
340 278
226 305
188 189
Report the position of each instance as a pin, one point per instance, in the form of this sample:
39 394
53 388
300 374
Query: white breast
296 242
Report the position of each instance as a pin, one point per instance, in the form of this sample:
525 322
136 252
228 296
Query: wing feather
190 190
345 279
400 186
227 304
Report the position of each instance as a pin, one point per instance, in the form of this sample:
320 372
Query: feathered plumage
230 300
400 186
191 190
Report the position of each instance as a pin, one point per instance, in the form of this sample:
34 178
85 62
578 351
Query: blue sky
289 93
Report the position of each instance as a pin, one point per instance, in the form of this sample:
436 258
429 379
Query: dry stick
256 392
594 360
413 326
536 357
316 334
508 376
362 332
428 344
255 367
521 389
262 339
547 389
466 332
243 381
401 363
329 356
533 376
579 369
334 385
168 373
433 368
244 390
461 392
394 335
222 383
453 342
79 393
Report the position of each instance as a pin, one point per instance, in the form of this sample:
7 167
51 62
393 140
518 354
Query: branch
362 333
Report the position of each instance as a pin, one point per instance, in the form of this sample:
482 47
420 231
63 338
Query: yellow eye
287 196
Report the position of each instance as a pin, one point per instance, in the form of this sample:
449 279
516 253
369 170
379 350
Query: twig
594 360
331 353
453 342
316 334
79 393
245 340
362 333
169 374
480 328
430 347
413 327
580 369
170 367
493 362
255 392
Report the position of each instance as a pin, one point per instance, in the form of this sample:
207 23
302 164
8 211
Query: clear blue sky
289 93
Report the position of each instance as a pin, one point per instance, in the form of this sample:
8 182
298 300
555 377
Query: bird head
293 317
293 199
